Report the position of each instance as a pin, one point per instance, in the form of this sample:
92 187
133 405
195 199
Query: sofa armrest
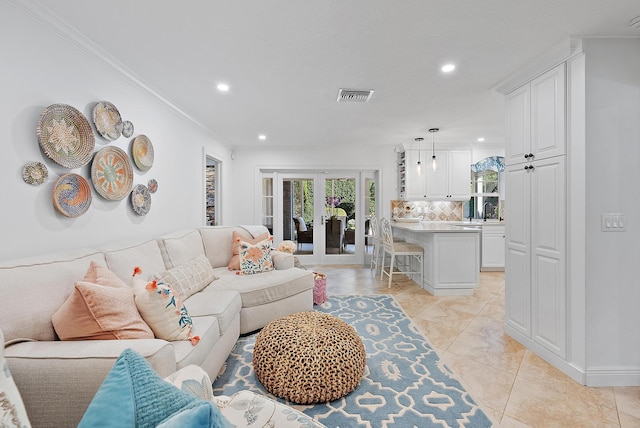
282 260
58 379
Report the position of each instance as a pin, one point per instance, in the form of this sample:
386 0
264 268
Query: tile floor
514 387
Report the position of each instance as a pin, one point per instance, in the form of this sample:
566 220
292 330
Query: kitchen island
451 255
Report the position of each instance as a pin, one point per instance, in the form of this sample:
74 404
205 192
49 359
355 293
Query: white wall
613 186
39 68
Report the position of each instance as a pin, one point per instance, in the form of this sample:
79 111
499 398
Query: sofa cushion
256 258
94 312
256 290
123 258
180 247
134 395
188 278
237 239
208 330
99 274
13 412
41 284
225 305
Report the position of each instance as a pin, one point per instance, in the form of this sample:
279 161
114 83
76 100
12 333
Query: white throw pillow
163 310
189 278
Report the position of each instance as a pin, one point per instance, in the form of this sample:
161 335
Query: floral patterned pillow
255 258
163 310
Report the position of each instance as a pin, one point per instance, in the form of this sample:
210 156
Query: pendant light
419 165
434 164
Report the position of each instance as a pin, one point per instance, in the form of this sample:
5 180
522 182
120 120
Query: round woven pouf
309 357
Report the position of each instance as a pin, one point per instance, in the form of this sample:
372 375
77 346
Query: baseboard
613 376
574 372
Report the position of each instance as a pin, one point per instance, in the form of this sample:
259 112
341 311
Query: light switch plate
613 222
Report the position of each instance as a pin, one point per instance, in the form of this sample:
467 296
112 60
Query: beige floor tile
538 405
535 368
491 348
628 401
490 387
509 422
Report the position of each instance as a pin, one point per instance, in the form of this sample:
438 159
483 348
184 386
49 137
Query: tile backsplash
432 210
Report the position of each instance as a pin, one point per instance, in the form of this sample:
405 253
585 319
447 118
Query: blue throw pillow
133 395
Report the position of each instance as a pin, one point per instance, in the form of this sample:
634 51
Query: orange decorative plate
112 173
71 195
142 152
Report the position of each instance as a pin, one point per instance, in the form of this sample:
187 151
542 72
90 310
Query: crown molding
47 18
551 58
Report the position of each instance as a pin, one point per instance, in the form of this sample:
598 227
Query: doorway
324 213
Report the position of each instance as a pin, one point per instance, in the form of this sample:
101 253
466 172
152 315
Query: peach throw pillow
234 263
104 309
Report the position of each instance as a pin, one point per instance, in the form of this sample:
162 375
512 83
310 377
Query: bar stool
398 249
375 237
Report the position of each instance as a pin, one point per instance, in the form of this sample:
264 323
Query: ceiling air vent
354 95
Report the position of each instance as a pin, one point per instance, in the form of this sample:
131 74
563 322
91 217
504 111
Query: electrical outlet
613 222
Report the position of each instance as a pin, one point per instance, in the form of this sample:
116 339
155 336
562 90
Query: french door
322 214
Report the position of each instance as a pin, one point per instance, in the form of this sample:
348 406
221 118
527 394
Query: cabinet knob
526 167
531 155
526 156
531 168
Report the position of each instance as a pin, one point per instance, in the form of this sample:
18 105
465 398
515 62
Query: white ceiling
285 60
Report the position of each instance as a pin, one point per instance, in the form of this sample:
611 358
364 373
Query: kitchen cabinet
493 247
535 279
536 118
452 177
450 181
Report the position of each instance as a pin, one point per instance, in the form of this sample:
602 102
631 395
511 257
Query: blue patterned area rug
405 384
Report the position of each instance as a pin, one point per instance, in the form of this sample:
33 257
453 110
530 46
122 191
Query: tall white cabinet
535 272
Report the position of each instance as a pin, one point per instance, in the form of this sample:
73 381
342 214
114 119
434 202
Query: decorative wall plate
141 199
112 173
107 119
35 173
152 185
142 152
65 135
71 195
127 129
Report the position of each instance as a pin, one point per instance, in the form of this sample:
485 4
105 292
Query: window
484 202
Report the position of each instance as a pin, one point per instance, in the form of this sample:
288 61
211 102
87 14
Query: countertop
437 226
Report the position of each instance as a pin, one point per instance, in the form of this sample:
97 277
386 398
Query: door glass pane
298 213
370 205
340 207
267 203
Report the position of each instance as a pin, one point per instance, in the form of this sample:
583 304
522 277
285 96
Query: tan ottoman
309 357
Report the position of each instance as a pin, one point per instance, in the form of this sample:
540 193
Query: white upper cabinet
459 174
536 118
451 180
414 181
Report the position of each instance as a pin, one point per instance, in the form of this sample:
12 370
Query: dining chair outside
399 249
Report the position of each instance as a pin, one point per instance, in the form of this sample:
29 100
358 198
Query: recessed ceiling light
223 87
448 68
262 137
481 139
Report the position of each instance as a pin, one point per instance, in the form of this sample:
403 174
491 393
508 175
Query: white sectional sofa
57 379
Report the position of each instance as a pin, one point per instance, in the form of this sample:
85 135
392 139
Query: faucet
485 210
